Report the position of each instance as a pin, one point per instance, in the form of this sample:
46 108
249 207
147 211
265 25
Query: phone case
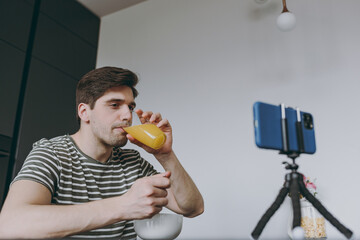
268 133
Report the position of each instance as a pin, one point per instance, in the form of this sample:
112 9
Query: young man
85 184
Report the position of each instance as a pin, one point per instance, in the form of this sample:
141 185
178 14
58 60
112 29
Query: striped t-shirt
72 177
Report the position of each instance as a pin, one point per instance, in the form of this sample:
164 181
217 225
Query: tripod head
291 166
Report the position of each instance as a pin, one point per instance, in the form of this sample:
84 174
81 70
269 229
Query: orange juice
148 134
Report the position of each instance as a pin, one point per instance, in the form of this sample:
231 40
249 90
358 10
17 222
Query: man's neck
91 146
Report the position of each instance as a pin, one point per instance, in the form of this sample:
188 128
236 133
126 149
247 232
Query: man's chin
118 143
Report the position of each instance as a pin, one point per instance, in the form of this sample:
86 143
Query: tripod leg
269 213
316 203
295 199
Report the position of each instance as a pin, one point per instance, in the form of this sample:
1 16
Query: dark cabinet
15 22
59 47
11 69
5 144
74 17
49 107
41 60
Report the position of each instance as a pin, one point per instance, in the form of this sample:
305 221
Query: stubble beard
117 141
108 138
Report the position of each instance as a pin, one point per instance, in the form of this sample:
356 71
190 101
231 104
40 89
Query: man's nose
126 114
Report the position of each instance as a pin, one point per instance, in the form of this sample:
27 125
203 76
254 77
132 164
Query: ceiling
104 7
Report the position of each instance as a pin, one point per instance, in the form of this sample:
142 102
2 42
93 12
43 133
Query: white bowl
162 226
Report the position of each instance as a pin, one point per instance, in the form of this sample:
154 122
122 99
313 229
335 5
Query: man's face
110 114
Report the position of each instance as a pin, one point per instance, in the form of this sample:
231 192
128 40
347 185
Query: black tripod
294 185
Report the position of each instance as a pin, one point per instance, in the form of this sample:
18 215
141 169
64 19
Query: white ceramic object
286 21
162 226
298 233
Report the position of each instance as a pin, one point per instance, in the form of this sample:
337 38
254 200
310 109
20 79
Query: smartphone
268 128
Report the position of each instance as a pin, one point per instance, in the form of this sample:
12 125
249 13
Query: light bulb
286 21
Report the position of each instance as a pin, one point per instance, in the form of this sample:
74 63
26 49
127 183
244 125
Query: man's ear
83 112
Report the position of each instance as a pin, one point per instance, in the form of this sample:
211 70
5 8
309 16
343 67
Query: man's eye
114 105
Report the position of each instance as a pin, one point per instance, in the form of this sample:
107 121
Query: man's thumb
166 174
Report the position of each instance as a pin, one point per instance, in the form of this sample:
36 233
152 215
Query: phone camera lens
308 121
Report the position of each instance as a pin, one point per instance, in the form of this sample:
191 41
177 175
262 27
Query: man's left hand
163 124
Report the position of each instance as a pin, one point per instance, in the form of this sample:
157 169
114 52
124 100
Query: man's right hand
28 212
147 196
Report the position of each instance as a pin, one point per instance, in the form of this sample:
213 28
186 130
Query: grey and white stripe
72 177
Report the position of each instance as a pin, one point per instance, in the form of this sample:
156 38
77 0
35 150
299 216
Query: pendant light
286 21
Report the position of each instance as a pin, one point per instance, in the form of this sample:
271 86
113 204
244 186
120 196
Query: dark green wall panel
15 21
65 48
11 69
60 48
49 107
74 17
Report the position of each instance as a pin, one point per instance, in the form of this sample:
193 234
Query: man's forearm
54 221
186 194
28 212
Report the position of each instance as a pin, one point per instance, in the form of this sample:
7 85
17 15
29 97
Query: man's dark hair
95 83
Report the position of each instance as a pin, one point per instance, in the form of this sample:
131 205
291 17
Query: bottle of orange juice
148 134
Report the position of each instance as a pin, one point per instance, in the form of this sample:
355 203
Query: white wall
203 63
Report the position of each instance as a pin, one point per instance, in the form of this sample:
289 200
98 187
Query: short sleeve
147 169
41 166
